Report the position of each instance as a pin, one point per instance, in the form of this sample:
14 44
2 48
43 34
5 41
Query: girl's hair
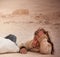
49 40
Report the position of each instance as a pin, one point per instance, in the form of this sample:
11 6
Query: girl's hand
23 51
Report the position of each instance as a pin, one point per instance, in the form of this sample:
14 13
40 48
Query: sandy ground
45 14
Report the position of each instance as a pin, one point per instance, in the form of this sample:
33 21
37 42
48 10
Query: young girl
40 43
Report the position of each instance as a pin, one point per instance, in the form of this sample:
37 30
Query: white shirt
7 45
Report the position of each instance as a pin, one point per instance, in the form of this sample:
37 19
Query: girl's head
37 34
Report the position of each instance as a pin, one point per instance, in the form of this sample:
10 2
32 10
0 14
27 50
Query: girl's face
40 33
35 41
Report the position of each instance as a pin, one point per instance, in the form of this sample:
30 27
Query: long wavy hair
49 40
